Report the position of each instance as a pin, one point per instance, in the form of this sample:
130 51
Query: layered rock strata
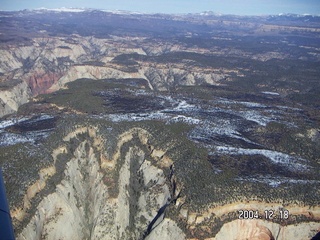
99 198
125 193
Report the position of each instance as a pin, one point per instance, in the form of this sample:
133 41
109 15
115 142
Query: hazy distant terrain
118 125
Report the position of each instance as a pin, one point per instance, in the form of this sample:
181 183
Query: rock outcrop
97 200
124 193
264 230
11 99
48 64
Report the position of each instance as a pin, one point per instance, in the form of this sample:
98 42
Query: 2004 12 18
269 214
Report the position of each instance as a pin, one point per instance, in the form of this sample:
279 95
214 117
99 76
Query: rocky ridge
12 98
50 63
125 193
47 63
92 208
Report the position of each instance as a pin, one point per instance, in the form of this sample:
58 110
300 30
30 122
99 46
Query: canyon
137 126
127 214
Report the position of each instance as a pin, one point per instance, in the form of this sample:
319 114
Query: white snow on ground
63 9
228 131
7 123
246 104
271 93
11 139
167 114
183 105
180 106
13 121
10 122
152 116
136 116
253 104
248 113
275 181
256 117
276 157
221 127
7 138
43 117
182 118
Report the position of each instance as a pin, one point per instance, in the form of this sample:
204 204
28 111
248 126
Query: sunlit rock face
11 99
245 230
123 193
99 198
49 63
264 230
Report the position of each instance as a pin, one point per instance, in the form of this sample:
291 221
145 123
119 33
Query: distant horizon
232 7
69 9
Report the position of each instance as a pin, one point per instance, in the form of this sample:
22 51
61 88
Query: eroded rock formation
121 198
12 98
264 230
50 63
124 193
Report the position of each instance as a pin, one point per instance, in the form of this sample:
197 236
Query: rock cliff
13 97
263 230
50 63
128 189
101 198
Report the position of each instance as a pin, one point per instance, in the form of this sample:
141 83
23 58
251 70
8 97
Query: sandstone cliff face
165 77
92 72
11 99
47 60
242 229
99 198
160 78
50 63
123 192
264 230
39 82
167 230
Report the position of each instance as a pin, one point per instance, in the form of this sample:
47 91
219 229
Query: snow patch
246 104
276 157
256 117
271 93
7 139
63 9
10 122
182 118
275 181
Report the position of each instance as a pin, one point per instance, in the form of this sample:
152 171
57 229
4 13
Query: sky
239 7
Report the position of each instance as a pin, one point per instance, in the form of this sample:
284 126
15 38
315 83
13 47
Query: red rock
39 82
